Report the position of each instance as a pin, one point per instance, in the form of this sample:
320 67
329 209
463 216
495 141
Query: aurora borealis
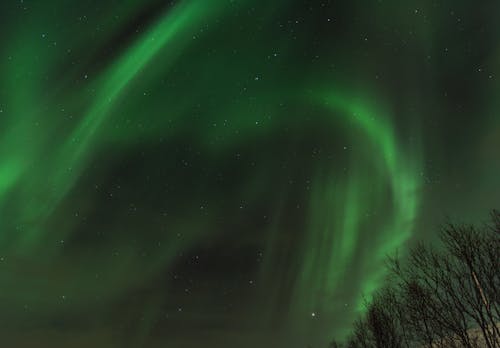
231 173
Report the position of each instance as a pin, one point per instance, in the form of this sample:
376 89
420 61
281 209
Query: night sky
231 173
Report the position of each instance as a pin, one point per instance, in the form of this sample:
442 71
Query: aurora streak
227 172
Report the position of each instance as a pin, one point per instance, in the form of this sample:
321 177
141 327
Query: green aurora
231 173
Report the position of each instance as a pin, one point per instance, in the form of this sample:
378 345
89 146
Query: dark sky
231 173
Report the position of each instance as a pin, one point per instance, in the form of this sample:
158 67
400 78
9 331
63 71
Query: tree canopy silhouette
439 296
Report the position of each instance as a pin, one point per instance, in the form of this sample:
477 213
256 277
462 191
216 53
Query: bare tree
449 292
362 336
439 297
473 263
383 320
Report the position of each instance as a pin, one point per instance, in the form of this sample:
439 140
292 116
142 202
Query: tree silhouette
445 296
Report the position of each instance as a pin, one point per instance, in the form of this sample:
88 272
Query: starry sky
231 173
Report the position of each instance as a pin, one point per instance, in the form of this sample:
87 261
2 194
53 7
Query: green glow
133 136
344 209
